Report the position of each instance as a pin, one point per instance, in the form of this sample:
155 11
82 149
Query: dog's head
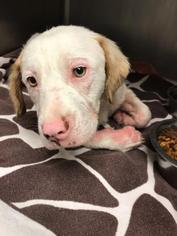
66 71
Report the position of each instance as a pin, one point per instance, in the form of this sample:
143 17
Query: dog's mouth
54 143
54 140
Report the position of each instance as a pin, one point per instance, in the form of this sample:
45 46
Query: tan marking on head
15 87
117 66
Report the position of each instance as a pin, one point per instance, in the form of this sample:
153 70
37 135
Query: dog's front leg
120 139
133 111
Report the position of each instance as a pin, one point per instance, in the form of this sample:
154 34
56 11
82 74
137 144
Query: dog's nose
58 129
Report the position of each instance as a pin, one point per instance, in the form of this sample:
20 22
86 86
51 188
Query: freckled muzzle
71 131
66 118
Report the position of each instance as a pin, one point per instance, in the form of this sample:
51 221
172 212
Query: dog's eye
32 81
79 71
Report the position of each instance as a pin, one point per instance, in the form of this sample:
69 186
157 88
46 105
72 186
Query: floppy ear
117 66
15 87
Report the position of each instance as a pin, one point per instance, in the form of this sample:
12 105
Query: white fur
47 56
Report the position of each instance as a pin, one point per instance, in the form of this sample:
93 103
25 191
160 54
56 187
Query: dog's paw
127 138
124 118
121 139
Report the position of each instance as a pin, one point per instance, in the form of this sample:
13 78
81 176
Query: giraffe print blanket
82 192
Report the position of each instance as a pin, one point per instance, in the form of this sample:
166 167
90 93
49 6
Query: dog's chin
68 144
51 145
56 146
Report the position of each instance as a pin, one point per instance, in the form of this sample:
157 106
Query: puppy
75 77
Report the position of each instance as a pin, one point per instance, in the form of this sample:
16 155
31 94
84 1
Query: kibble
168 141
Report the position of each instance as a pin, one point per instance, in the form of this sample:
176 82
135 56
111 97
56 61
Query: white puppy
75 77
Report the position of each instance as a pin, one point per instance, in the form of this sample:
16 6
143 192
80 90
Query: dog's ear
15 87
117 66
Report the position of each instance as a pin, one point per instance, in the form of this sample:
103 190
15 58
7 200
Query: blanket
82 192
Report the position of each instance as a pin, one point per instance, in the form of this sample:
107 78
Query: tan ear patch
117 66
15 87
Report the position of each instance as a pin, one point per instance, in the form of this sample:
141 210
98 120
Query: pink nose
58 128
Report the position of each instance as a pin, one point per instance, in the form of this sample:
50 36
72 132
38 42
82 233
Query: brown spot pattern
133 164
7 128
149 217
76 223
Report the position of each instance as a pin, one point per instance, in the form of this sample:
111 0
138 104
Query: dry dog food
168 141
